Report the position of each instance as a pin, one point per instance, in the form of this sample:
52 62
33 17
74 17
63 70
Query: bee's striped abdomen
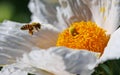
26 27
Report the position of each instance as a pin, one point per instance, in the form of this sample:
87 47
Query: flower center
84 35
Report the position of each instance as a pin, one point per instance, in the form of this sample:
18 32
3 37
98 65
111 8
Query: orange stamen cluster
84 35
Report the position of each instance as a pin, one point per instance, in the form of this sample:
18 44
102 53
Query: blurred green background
14 10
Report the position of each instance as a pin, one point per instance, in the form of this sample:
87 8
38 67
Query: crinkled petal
46 37
12 70
103 12
106 13
43 10
14 42
60 16
61 61
112 15
21 68
71 11
112 51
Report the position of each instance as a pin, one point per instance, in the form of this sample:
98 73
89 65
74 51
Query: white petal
51 1
61 61
17 72
112 51
71 11
21 68
60 16
106 13
14 42
46 37
94 6
13 70
43 11
113 16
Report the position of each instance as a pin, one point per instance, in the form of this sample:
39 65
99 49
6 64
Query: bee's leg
31 31
39 26
36 28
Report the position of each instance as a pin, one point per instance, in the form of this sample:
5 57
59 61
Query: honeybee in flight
31 27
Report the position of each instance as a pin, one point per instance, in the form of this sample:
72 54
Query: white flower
40 54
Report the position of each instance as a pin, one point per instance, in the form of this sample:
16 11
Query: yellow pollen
84 35
104 18
102 9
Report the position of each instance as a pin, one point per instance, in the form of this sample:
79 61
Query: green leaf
0 68
30 74
110 67
106 69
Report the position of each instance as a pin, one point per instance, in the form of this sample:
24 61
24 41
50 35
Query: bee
73 31
31 27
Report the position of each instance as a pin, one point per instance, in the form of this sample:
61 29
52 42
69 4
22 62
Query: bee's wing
14 42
